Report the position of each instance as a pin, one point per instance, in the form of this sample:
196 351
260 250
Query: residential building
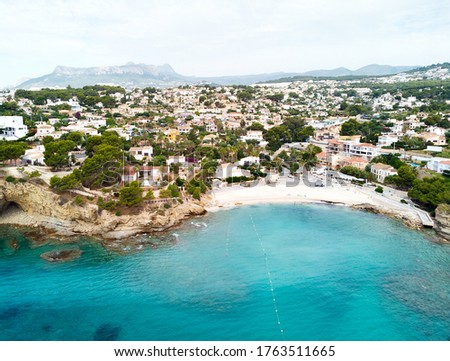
184 129
381 171
357 162
230 170
12 128
130 174
34 156
142 152
255 135
387 140
248 160
363 150
43 130
434 138
439 164
174 159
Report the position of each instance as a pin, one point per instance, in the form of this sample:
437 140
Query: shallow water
322 272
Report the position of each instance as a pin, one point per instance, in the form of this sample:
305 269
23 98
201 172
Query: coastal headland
36 206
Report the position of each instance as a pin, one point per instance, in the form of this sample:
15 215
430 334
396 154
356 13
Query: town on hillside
121 147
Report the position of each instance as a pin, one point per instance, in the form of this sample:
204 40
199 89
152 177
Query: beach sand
286 190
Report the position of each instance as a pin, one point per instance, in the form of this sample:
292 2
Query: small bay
266 272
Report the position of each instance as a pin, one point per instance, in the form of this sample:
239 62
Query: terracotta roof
381 166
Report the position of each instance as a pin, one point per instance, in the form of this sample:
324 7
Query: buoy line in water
269 277
227 240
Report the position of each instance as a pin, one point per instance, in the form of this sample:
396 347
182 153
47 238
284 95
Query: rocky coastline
47 212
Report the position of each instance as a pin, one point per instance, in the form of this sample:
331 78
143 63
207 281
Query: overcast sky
220 37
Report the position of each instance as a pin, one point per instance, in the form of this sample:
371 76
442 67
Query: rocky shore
51 214
442 222
36 206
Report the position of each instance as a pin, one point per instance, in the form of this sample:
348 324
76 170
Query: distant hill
344 73
135 75
126 75
142 75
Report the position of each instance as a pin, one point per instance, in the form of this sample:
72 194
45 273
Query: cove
266 272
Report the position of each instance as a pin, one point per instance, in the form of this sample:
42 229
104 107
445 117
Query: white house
12 128
142 152
230 170
382 171
363 150
43 130
34 156
439 164
434 138
256 135
387 140
174 159
248 161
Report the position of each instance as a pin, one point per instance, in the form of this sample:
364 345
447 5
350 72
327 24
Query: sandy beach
286 190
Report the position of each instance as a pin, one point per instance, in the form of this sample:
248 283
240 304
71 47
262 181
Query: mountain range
133 75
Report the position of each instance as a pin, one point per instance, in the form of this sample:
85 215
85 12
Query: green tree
277 136
355 172
76 137
131 194
56 154
391 159
277 97
404 179
69 181
308 157
429 192
256 126
12 150
103 168
350 127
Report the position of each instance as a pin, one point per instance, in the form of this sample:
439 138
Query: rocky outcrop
63 255
371 208
442 221
45 209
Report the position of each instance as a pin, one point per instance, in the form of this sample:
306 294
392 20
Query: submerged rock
106 332
63 255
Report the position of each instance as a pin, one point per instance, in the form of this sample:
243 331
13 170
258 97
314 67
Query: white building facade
12 128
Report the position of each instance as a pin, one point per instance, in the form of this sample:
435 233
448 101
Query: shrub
78 201
34 174
355 172
404 201
118 213
237 179
196 193
165 193
10 179
150 195
379 189
167 205
109 205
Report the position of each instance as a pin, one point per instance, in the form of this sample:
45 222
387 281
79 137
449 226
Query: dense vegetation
88 95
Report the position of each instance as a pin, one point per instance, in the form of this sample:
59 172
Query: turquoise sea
268 272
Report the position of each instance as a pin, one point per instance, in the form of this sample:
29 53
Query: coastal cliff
59 214
442 221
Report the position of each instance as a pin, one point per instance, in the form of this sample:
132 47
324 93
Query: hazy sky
220 37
